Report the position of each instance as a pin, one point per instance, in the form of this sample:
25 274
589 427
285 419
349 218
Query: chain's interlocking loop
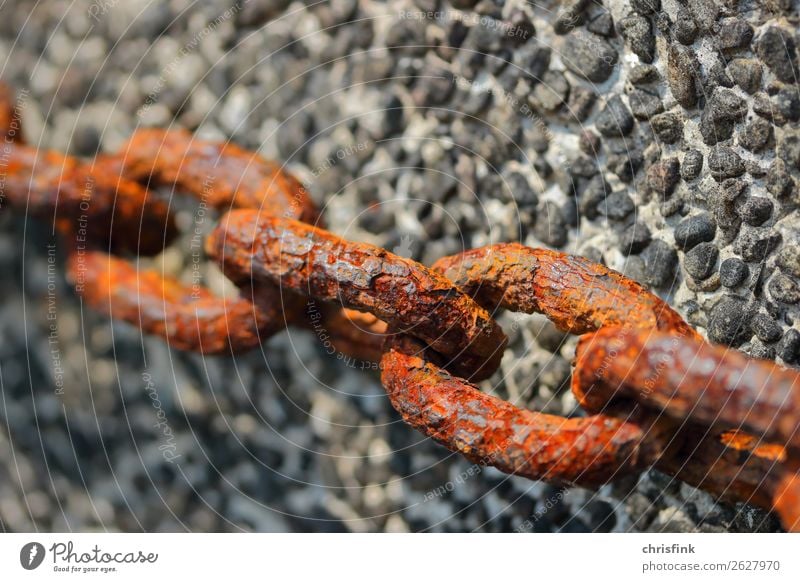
659 395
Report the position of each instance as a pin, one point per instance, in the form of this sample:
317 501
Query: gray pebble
746 73
638 33
589 55
784 289
693 230
660 264
754 243
668 127
685 27
615 118
643 74
788 260
682 70
766 329
776 48
635 239
729 323
756 210
789 346
733 272
700 261
692 165
724 163
644 104
663 176
755 135
733 33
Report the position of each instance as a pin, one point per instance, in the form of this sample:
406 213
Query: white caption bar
401 557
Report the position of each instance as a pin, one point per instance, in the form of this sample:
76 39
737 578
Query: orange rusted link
730 468
582 451
188 318
222 175
360 276
353 333
689 379
10 122
576 294
77 196
787 501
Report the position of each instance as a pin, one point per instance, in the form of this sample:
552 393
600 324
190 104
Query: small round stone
788 260
756 210
755 135
668 127
618 205
699 262
754 243
692 165
733 272
615 119
725 163
589 143
789 347
729 323
660 263
784 289
695 229
635 238
589 55
766 329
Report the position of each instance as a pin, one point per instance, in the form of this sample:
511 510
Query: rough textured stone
638 34
729 323
615 118
695 229
692 165
776 48
589 55
733 272
682 69
668 127
725 163
700 261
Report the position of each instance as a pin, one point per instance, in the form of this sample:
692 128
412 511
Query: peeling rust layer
401 292
711 385
746 472
576 294
187 318
581 451
223 175
84 201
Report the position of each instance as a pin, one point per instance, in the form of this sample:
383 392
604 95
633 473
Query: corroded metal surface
582 451
187 317
401 292
222 175
576 294
711 385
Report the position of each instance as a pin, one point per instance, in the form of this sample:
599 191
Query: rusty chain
656 394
